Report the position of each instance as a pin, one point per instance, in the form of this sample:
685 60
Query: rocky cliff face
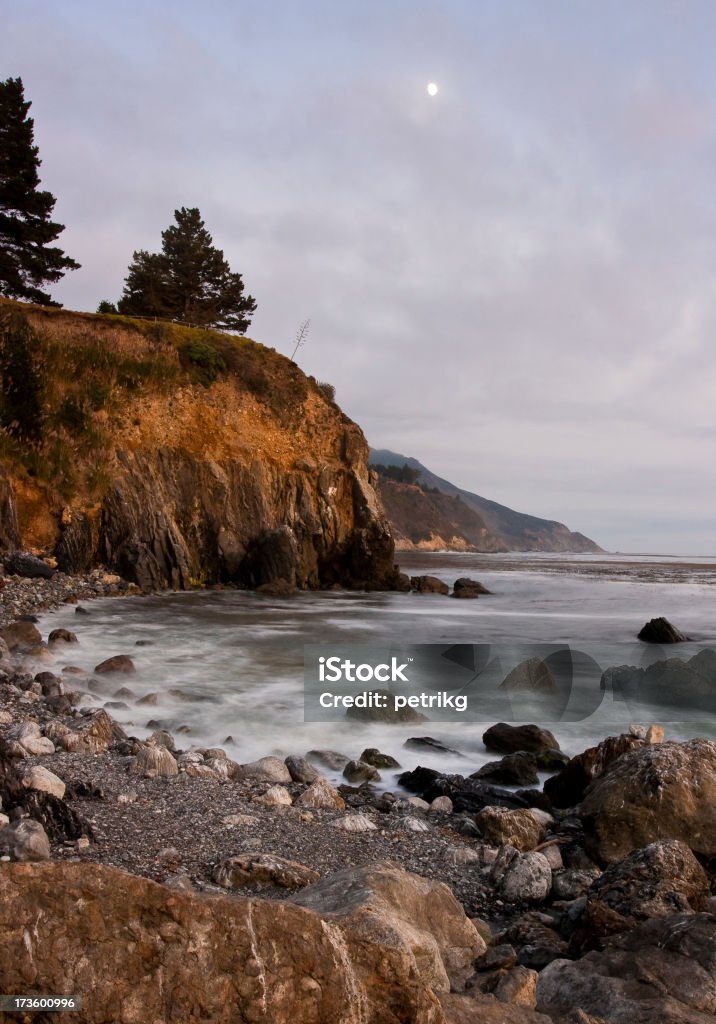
432 521
179 456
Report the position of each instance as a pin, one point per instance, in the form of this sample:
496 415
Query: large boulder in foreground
140 952
566 788
662 791
507 739
663 971
385 905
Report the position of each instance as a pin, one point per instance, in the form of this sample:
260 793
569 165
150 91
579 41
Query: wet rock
528 878
664 971
649 794
320 794
467 588
62 636
52 685
660 631
428 585
22 563
329 759
359 771
117 663
371 755
301 769
389 713
531 676
430 744
380 899
508 739
24 840
551 760
472 796
43 780
567 787
500 826
518 769
154 761
20 635
262 869
266 769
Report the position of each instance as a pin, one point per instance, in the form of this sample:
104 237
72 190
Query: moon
432 89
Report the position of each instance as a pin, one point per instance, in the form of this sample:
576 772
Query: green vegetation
189 281
27 260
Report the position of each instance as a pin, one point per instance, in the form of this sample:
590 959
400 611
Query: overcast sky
512 281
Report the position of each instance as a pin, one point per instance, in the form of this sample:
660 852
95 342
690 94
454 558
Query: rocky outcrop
253 477
567 787
663 971
661 791
374 948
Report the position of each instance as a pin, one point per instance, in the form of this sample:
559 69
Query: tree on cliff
188 281
27 260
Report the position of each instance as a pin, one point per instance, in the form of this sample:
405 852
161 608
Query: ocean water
228 665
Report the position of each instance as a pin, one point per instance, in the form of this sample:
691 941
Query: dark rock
359 771
301 769
502 955
79 610
467 588
536 942
551 760
62 636
472 795
117 663
508 739
663 971
428 585
52 685
660 631
567 788
371 755
531 676
22 563
428 743
20 635
403 583
518 769
650 794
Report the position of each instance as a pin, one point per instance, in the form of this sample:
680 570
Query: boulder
403 909
371 755
535 941
431 744
21 635
301 770
154 761
359 771
43 780
354 823
500 826
28 735
276 796
62 636
329 759
661 791
467 588
441 805
266 769
138 951
660 631
52 685
22 563
527 878
321 794
428 585
661 879
518 769
261 869
117 663
23 840
664 971
89 735
567 787
531 676
507 739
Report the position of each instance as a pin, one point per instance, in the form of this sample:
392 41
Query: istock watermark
506 682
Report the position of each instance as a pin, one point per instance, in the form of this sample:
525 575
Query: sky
512 281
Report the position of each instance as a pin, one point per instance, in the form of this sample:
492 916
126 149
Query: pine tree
189 281
27 261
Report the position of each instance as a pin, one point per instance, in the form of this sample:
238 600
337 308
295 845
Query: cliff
432 521
179 456
505 529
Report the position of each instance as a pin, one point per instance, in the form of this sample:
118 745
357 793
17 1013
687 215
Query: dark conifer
27 260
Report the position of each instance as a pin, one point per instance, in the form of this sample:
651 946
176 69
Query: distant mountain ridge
421 515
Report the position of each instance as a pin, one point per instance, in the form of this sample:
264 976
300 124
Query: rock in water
531 676
117 663
359 771
518 769
660 791
465 587
507 739
301 770
371 755
660 631
428 585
